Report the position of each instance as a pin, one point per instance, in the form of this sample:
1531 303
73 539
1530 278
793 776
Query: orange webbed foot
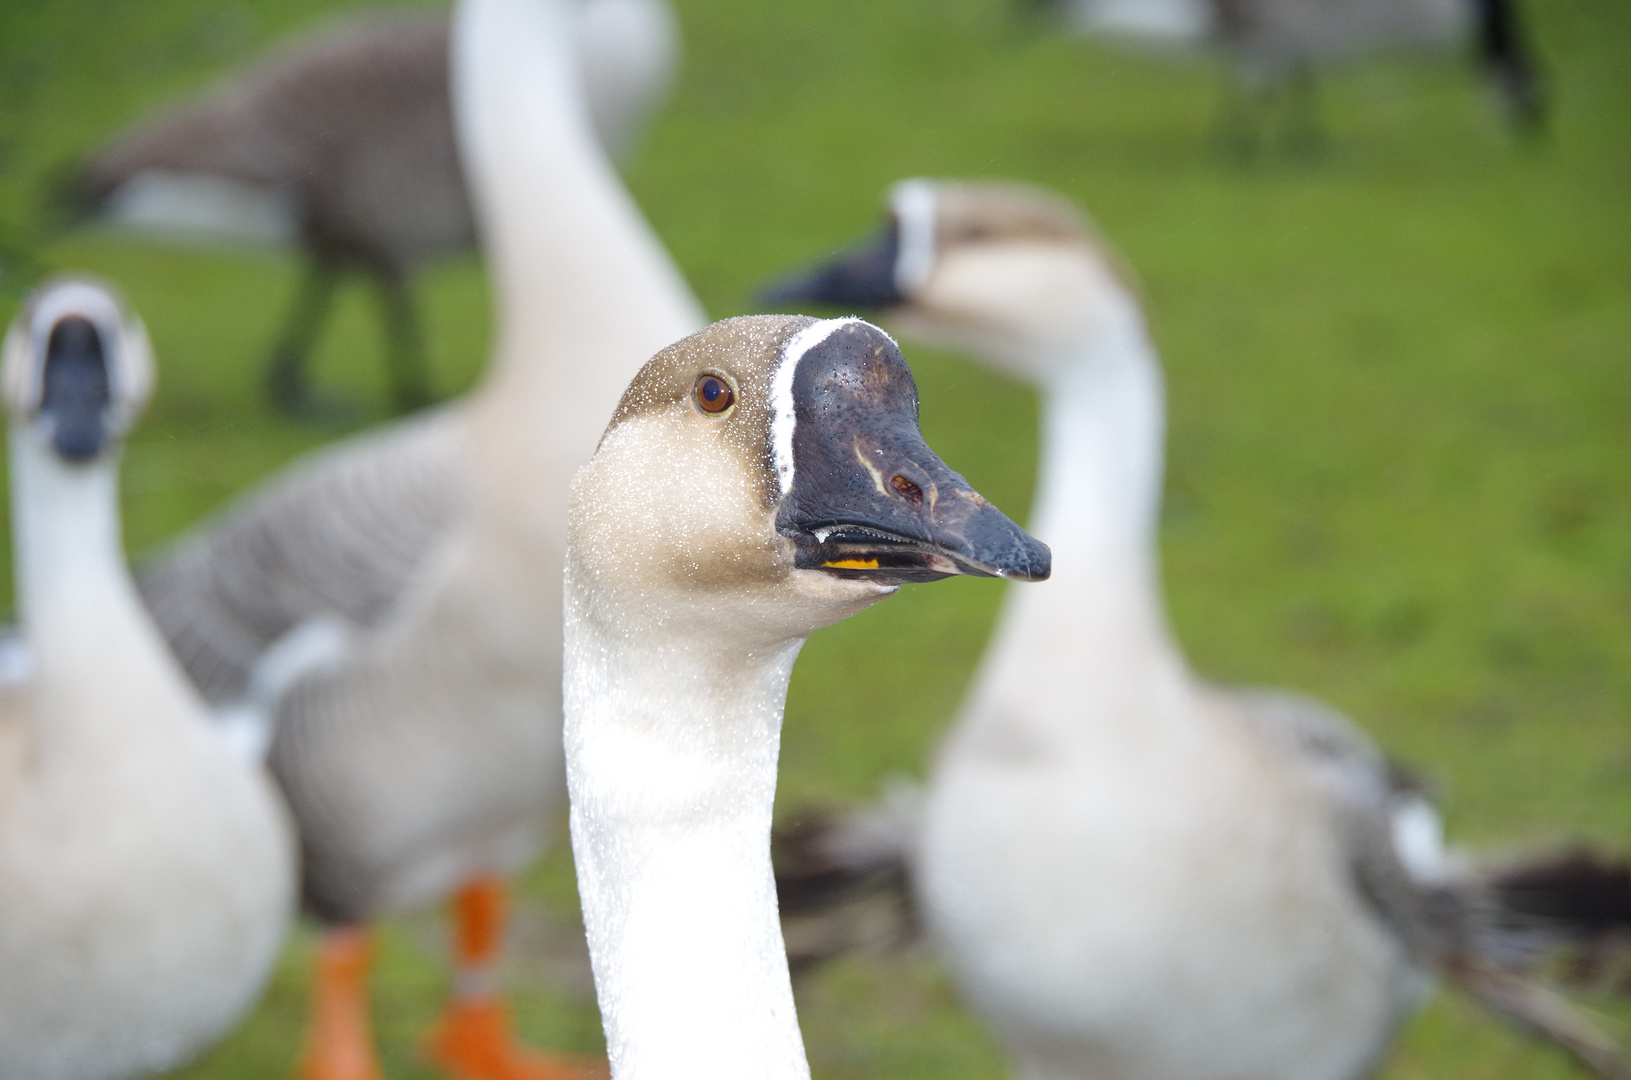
475 1041
340 1040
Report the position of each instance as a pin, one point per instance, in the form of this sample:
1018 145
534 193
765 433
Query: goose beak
867 497
74 393
895 513
860 279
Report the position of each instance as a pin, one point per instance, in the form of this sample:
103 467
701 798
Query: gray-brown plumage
353 132
339 534
345 142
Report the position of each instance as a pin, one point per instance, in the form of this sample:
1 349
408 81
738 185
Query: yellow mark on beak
852 564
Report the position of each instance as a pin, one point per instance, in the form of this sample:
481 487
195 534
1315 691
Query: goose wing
1445 916
1392 832
338 534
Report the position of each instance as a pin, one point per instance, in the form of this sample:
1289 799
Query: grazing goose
761 479
1275 46
146 874
345 143
1134 872
398 595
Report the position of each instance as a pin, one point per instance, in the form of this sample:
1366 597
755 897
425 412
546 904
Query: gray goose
344 143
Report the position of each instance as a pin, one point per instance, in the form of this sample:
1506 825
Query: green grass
1400 452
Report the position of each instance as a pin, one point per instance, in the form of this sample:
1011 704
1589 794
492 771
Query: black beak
860 279
74 393
869 499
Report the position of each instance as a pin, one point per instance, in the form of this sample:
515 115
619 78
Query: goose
1134 872
344 144
760 479
146 872
1275 46
395 599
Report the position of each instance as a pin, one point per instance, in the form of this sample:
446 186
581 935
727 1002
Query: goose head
780 455
77 369
1011 274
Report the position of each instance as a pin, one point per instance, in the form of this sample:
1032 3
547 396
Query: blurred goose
1134 872
345 144
146 874
397 596
761 479
1277 45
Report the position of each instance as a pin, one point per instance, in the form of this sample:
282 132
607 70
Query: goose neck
76 604
671 744
1093 641
1103 421
584 292
69 557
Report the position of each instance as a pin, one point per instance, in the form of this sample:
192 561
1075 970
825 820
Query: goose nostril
906 489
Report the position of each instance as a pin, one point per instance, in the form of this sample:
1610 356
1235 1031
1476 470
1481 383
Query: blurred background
1399 369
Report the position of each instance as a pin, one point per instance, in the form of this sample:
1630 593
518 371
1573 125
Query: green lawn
1400 452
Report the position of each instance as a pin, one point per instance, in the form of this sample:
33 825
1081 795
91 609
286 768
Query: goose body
1276 45
345 144
1200 843
146 873
737 502
405 586
1135 873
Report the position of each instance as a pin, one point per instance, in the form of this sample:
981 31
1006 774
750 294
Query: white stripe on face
913 204
782 418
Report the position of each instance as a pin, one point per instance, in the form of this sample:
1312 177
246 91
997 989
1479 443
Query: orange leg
339 1041
474 1039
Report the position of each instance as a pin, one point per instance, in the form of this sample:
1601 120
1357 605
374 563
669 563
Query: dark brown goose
343 143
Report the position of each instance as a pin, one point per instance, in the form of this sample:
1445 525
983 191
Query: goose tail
1545 924
843 878
1576 904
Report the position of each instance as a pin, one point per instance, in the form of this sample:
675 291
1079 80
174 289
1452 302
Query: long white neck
90 640
1096 631
671 746
584 291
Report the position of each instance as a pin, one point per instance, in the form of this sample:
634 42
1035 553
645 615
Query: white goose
146 874
1136 874
411 579
761 479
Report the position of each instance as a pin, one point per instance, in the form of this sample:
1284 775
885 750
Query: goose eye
714 395
907 490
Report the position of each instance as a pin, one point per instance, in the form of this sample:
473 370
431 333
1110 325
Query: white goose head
783 453
77 369
1010 273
